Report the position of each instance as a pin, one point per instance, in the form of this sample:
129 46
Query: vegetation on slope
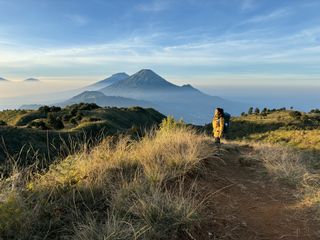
46 132
285 127
121 189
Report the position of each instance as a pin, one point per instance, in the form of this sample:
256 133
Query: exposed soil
244 202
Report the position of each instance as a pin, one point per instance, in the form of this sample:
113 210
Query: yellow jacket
218 126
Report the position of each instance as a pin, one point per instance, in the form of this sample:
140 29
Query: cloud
77 19
276 14
246 52
154 6
248 5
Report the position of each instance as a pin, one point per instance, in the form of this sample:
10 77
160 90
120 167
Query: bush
55 109
295 114
74 121
66 117
2 123
79 116
55 122
315 110
44 109
82 106
170 123
38 124
58 124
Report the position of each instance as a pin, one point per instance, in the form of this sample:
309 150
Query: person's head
218 112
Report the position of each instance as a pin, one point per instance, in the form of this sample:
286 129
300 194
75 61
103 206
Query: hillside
171 184
51 131
278 126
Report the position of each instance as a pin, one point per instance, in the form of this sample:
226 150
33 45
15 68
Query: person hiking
218 122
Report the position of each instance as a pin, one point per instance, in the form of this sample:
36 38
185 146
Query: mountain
31 80
3 79
184 102
115 78
144 82
30 106
102 100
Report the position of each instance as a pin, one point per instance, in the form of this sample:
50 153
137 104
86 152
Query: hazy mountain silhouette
184 102
3 80
140 85
31 80
115 78
102 100
147 89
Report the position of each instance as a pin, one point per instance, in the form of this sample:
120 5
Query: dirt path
247 205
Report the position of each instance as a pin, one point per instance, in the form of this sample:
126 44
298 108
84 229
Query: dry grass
301 139
296 168
122 189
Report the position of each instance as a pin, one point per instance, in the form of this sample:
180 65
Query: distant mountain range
31 80
102 100
147 89
3 80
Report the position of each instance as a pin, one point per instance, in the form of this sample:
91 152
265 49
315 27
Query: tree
257 111
250 111
264 110
296 115
243 114
58 124
51 118
55 122
44 109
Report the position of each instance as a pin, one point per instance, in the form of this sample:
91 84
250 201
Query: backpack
227 118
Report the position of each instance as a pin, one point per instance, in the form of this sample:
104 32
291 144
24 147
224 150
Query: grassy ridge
279 127
12 116
122 189
20 142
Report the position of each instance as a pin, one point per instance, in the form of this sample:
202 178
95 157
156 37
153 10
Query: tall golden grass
121 189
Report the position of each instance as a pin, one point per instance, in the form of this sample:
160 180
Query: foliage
286 127
2 123
295 114
40 124
21 143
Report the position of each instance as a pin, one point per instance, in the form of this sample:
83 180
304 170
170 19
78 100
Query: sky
202 42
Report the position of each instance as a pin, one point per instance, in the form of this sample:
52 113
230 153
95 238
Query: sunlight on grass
121 188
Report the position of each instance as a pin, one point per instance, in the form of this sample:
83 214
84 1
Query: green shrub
38 124
66 117
295 114
2 123
55 122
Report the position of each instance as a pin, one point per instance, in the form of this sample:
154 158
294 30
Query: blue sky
203 42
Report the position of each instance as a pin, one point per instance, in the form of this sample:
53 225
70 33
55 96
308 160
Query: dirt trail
247 204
